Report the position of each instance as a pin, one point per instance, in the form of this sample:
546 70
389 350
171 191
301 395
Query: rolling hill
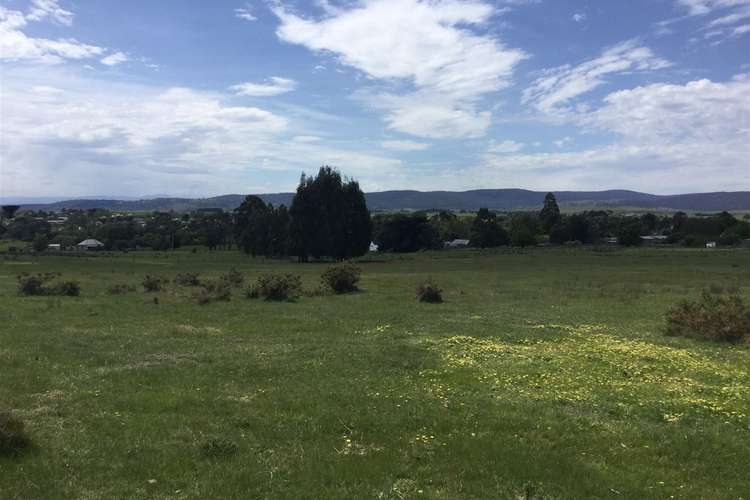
497 199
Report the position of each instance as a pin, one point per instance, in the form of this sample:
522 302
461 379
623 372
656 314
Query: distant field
543 375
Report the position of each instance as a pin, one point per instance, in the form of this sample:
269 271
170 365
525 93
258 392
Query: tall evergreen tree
251 224
486 232
329 218
550 214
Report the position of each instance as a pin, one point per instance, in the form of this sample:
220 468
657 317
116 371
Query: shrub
13 438
69 288
429 292
341 278
218 448
722 317
120 289
233 277
33 284
153 283
37 284
212 291
187 279
276 287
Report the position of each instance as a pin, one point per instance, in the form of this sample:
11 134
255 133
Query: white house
711 244
373 247
456 244
90 244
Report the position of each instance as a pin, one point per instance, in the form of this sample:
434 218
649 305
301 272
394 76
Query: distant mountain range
497 199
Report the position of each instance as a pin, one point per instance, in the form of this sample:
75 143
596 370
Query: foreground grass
543 374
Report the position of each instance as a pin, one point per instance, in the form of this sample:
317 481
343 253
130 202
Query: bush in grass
69 288
429 292
13 438
722 317
153 283
212 291
33 284
233 277
38 284
120 289
276 287
341 278
218 448
187 279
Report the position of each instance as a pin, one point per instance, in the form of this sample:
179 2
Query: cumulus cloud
429 45
114 59
15 45
404 145
671 137
275 86
83 135
557 87
579 17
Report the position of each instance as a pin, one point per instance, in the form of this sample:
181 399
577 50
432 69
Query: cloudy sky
197 98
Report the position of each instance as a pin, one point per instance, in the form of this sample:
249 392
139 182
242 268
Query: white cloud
49 9
671 138
426 44
563 142
276 86
114 59
579 17
558 86
67 132
505 147
15 45
404 145
703 7
245 13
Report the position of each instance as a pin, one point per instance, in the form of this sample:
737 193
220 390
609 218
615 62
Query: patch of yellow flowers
588 364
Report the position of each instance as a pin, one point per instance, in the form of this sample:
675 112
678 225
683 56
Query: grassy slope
543 369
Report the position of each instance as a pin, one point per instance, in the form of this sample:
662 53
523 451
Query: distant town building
456 244
54 247
90 244
711 244
654 240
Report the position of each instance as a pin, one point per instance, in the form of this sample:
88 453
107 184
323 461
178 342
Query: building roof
91 243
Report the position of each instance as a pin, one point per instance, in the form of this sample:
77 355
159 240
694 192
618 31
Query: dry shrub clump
39 284
187 279
276 287
341 278
212 291
429 292
13 438
233 278
154 283
716 316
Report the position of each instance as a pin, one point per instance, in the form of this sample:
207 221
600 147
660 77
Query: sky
201 98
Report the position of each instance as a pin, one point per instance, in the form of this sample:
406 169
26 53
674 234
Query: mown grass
543 374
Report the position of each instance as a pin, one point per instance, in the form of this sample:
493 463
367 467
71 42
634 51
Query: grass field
543 375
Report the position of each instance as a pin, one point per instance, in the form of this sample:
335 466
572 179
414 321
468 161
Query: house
711 244
456 244
55 247
90 244
373 247
654 240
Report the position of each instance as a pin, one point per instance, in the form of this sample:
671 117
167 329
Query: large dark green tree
550 213
486 232
406 233
329 218
251 226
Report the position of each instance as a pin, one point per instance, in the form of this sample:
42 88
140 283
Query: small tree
550 213
486 232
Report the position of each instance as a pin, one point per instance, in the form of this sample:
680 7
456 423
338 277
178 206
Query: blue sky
196 98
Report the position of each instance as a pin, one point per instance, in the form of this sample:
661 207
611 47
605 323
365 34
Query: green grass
544 374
